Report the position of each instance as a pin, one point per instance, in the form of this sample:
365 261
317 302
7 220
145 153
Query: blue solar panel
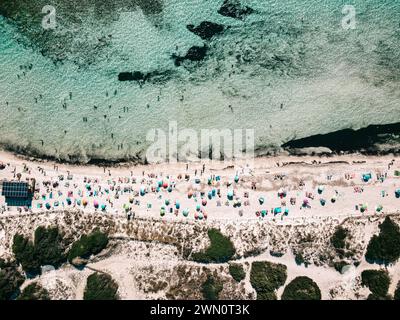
14 189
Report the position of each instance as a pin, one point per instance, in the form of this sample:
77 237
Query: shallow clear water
289 70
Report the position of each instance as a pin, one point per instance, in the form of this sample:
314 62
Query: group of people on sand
166 195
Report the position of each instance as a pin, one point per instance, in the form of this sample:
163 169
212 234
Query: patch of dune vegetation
47 249
338 239
211 288
100 286
34 291
266 277
301 288
396 295
10 280
220 250
88 245
385 247
237 272
378 282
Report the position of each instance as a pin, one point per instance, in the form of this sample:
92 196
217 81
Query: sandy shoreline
146 253
302 183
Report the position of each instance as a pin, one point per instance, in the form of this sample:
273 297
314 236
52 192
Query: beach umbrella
185 212
165 185
160 183
205 215
264 213
142 191
198 207
397 193
320 189
78 202
237 203
162 211
204 202
209 181
322 202
196 215
209 195
84 202
305 203
286 211
261 200
103 207
379 208
169 189
96 204
177 204
213 192
131 199
277 210
68 200
257 213
200 216
190 194
366 177
48 206
236 179
230 195
167 202
363 208
333 200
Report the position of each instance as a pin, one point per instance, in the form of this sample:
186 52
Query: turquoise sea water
288 70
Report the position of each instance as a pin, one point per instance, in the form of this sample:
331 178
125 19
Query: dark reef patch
195 53
154 76
206 29
367 140
234 9
82 50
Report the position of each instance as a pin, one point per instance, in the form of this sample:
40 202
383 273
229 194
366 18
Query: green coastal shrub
377 281
25 254
338 239
374 296
34 291
397 292
385 247
302 288
237 272
211 288
100 286
88 245
48 247
10 281
266 277
221 249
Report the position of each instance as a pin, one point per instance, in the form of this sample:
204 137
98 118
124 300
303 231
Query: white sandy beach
118 188
145 258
